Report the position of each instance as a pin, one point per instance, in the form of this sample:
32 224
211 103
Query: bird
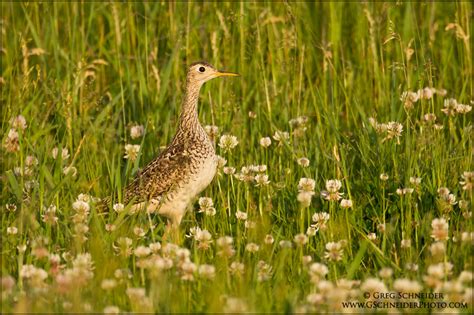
169 183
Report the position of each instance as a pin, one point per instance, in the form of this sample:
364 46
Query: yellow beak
226 74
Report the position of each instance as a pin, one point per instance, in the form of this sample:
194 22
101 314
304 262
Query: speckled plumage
186 167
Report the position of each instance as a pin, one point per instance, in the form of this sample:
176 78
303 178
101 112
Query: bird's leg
167 233
172 231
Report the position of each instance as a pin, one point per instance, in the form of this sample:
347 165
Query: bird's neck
189 113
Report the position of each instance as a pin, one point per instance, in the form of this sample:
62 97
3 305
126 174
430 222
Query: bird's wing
159 176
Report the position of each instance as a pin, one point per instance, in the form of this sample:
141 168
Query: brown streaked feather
159 176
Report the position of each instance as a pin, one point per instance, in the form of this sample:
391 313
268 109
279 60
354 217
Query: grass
103 68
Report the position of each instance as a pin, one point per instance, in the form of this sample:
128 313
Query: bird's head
200 72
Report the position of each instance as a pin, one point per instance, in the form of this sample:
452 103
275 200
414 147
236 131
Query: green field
363 187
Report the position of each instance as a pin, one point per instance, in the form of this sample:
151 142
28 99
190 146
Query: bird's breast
204 172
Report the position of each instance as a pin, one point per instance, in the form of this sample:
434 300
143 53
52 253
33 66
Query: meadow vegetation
346 156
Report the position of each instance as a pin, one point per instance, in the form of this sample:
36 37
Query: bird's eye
202 69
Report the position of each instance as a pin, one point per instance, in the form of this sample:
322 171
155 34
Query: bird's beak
221 73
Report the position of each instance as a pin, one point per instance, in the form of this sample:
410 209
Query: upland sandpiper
169 183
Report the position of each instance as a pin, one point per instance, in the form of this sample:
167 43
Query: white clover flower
19 122
394 130
250 224
305 197
81 207
35 275
415 180
261 168
235 305
372 285
281 136
49 215
252 248
225 246
408 98
332 194
131 151
11 207
12 230
7 284
207 206
264 271
450 107
404 191
406 285
229 170
265 142
135 294
241 215
437 249
64 153
306 259
405 243
285 244
320 219
136 131
426 93
439 229
228 142
207 271
261 180
465 277
268 239
109 227
318 269
381 227
315 299
188 269
311 230
70 170
221 162
306 184
463 109
155 247
111 309
202 235
31 161
236 268
429 118
467 181
303 162
300 239
138 231
108 284
386 273
119 207
12 142
334 251
142 251
333 185
346 203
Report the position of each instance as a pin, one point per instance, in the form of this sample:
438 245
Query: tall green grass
107 66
